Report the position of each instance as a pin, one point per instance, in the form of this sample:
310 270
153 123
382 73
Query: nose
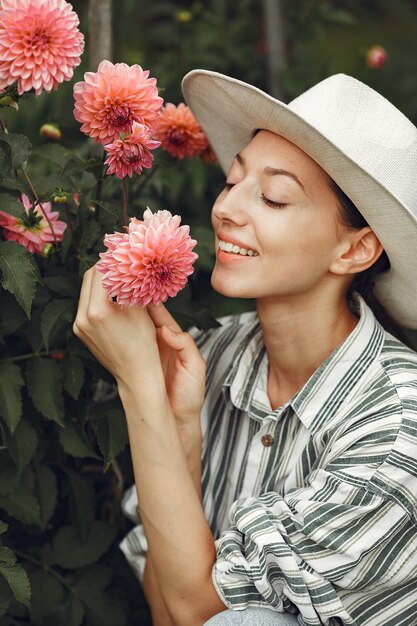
229 207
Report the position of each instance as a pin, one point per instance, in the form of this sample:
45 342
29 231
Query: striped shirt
313 505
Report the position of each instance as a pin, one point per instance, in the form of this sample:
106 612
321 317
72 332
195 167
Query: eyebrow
273 171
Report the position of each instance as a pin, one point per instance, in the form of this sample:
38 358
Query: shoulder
398 365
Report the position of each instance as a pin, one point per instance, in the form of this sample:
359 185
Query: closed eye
273 204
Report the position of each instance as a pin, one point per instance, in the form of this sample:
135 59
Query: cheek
316 237
215 222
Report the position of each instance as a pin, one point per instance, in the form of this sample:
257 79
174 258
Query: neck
299 335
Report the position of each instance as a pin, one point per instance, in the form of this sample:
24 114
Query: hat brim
230 111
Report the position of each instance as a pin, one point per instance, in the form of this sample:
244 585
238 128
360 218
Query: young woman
275 457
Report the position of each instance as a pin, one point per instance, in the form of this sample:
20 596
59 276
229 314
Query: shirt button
267 441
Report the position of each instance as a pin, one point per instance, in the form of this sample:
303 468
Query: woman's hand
122 338
183 367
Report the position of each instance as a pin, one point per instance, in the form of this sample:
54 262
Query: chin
230 289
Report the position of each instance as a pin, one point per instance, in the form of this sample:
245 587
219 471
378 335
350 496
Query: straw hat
359 138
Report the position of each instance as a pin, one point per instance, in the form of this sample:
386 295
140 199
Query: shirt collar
325 390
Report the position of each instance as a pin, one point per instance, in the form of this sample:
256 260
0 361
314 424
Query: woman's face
278 207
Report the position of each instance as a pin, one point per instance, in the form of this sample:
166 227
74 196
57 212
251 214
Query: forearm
181 545
191 438
159 611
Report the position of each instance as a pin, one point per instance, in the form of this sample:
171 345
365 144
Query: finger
84 299
99 296
162 317
184 345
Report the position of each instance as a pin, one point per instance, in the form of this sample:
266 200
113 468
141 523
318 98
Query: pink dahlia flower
131 152
151 262
179 132
110 100
33 231
40 43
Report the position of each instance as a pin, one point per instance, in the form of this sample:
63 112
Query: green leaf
55 315
22 445
63 285
91 231
6 596
102 609
9 204
74 441
73 166
16 184
11 382
73 379
20 273
46 491
33 330
66 244
112 435
112 212
5 158
11 315
22 505
71 613
53 152
3 527
47 592
20 148
15 575
82 502
8 475
44 383
70 551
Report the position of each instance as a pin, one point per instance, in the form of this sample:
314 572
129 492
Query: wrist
143 395
191 437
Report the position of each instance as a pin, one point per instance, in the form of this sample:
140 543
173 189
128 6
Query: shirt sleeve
334 551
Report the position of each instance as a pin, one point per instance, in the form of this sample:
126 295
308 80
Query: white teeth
234 249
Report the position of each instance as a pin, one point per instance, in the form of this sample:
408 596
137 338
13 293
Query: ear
359 249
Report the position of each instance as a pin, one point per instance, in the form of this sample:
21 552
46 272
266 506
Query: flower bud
183 16
47 250
60 196
57 356
376 56
50 131
6 100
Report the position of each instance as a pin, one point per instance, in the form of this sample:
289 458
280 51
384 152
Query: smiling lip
232 241
228 257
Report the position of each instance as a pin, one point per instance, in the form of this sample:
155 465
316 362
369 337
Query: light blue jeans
252 617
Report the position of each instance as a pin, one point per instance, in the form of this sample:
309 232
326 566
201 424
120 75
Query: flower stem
125 197
38 203
71 227
100 181
46 568
24 357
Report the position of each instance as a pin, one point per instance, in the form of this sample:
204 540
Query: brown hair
363 283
